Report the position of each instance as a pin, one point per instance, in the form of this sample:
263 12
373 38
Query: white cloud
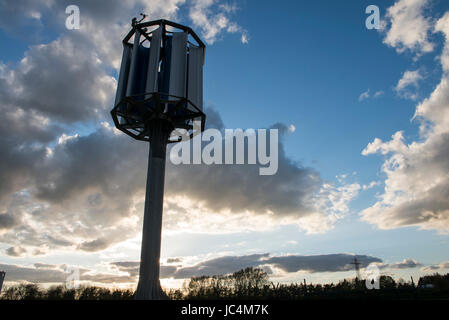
409 79
405 264
396 144
291 128
416 189
244 38
371 185
409 27
366 95
436 268
378 94
64 138
213 20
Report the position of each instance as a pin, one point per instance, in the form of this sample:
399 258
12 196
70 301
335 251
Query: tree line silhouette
249 283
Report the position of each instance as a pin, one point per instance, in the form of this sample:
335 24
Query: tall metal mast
356 264
159 97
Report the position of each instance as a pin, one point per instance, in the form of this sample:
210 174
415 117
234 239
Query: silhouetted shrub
250 283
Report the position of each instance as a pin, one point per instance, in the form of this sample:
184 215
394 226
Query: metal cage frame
138 111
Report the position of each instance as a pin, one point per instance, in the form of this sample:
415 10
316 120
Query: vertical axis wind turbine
159 97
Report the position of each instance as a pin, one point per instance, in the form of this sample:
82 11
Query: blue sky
310 64
308 67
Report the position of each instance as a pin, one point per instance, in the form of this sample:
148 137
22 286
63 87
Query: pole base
151 291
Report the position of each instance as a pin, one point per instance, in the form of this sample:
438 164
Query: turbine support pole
149 287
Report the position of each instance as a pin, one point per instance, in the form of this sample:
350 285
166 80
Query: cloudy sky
364 142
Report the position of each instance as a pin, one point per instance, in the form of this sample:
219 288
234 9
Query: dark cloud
61 80
92 181
86 192
103 23
222 265
94 245
8 221
58 241
25 15
85 187
321 263
16 273
213 119
107 278
21 17
219 187
45 266
56 84
132 267
290 191
16 167
97 161
167 271
45 273
230 264
125 265
16 251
